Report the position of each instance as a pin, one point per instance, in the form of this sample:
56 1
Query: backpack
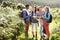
21 14
50 20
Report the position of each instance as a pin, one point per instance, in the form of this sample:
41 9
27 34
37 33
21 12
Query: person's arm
47 18
24 15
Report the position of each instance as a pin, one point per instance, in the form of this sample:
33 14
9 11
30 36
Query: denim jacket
45 17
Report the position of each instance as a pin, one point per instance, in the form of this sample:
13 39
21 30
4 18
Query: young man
26 19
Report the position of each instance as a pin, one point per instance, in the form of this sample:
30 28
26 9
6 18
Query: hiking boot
33 37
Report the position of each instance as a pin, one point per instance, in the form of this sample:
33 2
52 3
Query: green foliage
11 25
20 7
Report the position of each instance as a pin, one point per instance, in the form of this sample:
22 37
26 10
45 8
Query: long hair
35 9
47 8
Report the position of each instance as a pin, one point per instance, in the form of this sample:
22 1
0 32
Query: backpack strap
46 14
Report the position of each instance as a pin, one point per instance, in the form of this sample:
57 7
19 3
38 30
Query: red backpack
21 15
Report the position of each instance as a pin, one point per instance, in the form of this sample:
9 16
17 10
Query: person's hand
29 14
42 17
34 16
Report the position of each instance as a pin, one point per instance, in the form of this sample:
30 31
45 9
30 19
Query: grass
51 27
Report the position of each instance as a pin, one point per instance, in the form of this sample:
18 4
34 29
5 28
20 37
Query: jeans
41 27
26 28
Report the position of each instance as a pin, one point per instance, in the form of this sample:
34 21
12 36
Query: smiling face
33 8
46 9
40 8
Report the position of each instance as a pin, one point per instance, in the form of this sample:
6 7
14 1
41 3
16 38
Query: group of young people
36 16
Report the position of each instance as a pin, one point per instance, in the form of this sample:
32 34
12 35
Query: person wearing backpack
26 19
34 21
47 20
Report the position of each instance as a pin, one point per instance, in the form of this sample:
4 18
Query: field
12 27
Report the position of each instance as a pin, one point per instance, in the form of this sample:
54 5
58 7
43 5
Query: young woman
40 14
34 21
45 23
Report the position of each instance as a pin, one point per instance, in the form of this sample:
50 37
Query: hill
51 3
